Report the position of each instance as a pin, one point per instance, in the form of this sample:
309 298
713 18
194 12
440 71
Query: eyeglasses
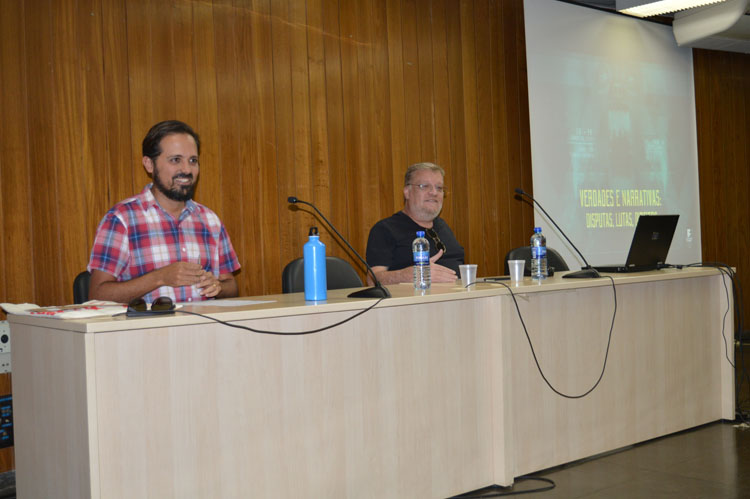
440 245
162 305
428 187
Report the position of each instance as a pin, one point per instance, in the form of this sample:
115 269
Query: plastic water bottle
420 249
314 253
538 255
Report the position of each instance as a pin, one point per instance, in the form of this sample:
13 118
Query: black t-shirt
389 244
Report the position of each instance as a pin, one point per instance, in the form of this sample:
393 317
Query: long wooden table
422 396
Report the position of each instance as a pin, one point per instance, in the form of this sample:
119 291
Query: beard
179 193
429 212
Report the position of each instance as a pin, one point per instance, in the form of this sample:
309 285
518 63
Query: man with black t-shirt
389 245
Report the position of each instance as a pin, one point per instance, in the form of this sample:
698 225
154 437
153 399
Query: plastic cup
516 269
468 274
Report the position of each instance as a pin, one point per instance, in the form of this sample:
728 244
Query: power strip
4 347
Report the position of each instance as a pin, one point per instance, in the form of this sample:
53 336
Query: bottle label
421 257
538 251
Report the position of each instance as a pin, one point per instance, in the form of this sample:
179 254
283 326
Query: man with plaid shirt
161 242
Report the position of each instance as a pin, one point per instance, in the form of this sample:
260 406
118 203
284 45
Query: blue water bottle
314 253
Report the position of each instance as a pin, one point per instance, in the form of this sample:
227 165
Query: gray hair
421 166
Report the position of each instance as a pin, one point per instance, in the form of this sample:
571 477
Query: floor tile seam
689 477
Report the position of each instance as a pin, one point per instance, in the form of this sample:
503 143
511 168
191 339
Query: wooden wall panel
380 151
456 183
326 100
230 106
397 103
722 94
487 174
17 271
120 147
239 117
353 121
89 174
207 117
471 234
41 161
66 166
442 114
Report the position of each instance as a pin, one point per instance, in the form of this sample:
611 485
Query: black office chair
555 262
81 287
339 275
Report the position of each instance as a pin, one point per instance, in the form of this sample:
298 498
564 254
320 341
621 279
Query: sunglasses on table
440 245
161 306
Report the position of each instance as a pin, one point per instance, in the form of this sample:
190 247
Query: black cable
282 333
736 290
724 319
533 353
744 376
473 495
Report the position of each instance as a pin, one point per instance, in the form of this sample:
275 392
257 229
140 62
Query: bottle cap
313 231
537 229
420 233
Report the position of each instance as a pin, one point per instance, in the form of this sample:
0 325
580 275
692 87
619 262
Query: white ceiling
733 38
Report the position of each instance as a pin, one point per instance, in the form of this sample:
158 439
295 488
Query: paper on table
91 308
225 303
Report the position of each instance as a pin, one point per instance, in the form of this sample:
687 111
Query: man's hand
209 285
438 273
181 274
105 287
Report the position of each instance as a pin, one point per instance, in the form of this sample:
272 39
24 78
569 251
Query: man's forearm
125 291
229 287
393 276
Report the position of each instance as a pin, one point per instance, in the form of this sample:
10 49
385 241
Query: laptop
651 242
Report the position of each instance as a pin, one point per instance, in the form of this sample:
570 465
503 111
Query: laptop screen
651 241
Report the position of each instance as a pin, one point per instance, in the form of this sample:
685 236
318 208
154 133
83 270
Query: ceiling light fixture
648 8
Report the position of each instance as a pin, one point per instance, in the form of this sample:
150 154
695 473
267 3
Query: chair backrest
81 287
554 259
339 275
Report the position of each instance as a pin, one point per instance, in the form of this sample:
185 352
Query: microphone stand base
584 273
374 292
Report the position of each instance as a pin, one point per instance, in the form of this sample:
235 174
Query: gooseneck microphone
378 291
587 272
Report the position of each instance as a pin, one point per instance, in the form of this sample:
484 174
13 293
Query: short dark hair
151 145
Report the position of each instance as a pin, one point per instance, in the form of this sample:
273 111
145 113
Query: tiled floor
711 461
8 485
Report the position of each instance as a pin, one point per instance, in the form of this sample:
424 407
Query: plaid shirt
137 236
